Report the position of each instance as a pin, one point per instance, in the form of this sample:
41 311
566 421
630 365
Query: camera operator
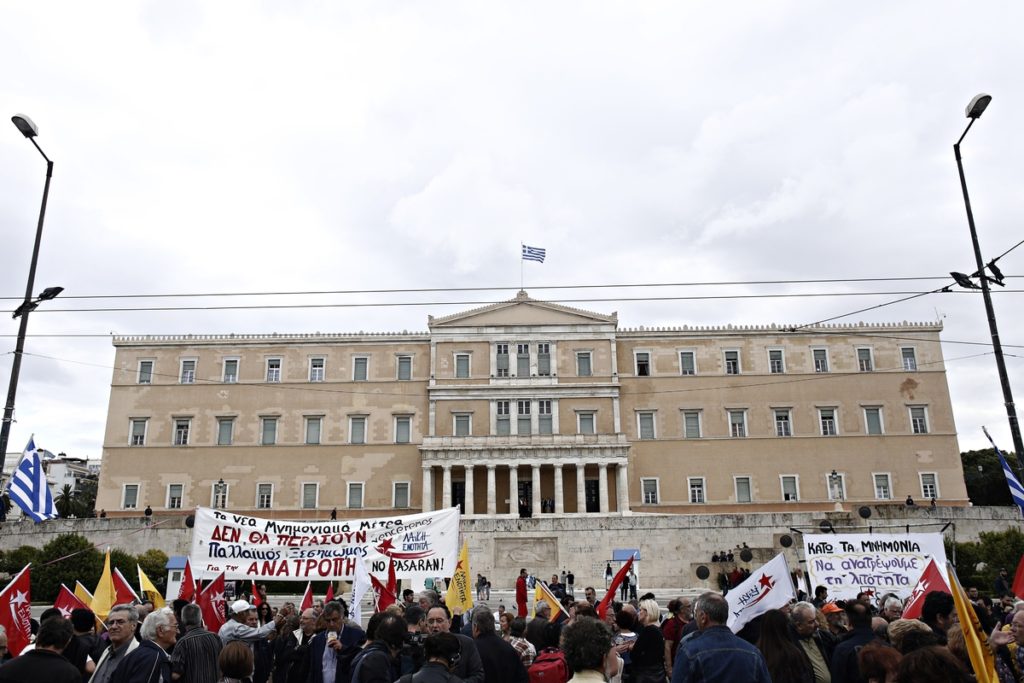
442 654
411 657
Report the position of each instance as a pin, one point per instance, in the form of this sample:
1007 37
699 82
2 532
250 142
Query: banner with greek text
424 545
848 564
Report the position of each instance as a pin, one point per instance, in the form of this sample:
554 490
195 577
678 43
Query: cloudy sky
242 147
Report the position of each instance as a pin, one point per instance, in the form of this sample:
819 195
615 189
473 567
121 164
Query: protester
44 662
83 642
236 663
878 663
121 622
587 644
5 654
892 609
262 652
469 668
441 652
715 654
590 594
238 627
527 652
501 661
680 615
625 638
333 650
648 653
149 663
284 646
837 619
786 662
844 659
1009 662
939 612
195 653
377 662
901 628
812 641
932 664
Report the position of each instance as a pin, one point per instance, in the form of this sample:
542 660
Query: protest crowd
425 638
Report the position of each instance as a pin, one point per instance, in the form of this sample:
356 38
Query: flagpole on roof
521 248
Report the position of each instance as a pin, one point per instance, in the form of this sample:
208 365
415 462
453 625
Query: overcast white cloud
242 147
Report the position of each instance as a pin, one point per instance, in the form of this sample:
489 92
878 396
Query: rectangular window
174 492
182 426
827 418
836 486
643 364
317 369
138 437
405 368
273 369
691 424
645 425
225 431
544 425
929 485
687 363
268 433
130 497
463 424
501 356
230 370
737 423
462 365
219 495
919 419
523 417
873 420
697 490
583 364
883 487
359 368
522 360
355 494
864 360
649 491
585 423
264 496
790 487
776 362
310 496
909 358
504 424
400 494
188 371
732 362
783 426
403 428
145 372
742 489
314 427
820 360
544 359
357 429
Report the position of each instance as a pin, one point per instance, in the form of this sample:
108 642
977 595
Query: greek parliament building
528 408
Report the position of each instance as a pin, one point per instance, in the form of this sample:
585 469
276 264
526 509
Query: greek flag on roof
28 487
533 254
1016 490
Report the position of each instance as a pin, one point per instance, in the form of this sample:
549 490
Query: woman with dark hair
587 644
786 662
236 663
932 664
264 613
878 663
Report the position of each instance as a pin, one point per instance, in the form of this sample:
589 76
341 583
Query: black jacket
431 673
39 665
374 664
501 662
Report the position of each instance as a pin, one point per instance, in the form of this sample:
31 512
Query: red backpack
549 667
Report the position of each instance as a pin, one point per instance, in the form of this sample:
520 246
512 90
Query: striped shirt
195 656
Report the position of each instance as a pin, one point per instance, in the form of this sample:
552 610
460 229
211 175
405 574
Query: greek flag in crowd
28 487
1016 490
533 254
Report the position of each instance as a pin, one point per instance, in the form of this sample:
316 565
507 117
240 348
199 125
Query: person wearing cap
236 627
838 622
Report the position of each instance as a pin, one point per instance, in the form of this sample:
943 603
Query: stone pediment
522 311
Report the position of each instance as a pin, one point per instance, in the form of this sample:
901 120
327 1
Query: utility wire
945 289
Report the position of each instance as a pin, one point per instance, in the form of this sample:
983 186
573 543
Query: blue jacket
716 655
351 637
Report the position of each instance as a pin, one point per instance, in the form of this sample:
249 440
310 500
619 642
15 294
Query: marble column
602 486
559 493
446 486
622 488
513 490
581 490
492 492
535 504
469 489
428 488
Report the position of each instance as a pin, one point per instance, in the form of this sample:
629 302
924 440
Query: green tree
986 484
87 498
993 551
15 560
154 564
65 559
119 559
65 502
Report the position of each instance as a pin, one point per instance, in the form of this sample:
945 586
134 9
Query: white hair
804 607
156 619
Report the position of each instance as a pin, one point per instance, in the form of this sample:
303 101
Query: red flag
307 598
392 581
187 590
383 598
16 618
603 605
67 601
257 599
330 592
123 591
931 580
211 602
1018 579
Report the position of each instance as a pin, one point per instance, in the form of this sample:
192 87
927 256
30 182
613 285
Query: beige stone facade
531 408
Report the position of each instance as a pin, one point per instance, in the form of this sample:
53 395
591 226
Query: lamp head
49 293
978 105
27 127
964 281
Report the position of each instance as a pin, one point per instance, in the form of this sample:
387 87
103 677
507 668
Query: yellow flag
460 592
149 591
82 593
541 593
105 594
975 638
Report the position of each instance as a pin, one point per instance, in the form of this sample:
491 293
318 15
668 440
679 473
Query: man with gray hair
715 654
149 663
803 618
195 654
502 663
237 627
121 622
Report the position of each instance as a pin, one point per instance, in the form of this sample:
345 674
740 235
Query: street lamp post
29 130
974 111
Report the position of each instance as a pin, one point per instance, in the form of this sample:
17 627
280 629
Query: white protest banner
848 564
770 587
424 545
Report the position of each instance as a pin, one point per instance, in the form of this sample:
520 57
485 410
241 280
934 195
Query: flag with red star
211 602
67 601
187 590
460 586
770 587
931 580
16 612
